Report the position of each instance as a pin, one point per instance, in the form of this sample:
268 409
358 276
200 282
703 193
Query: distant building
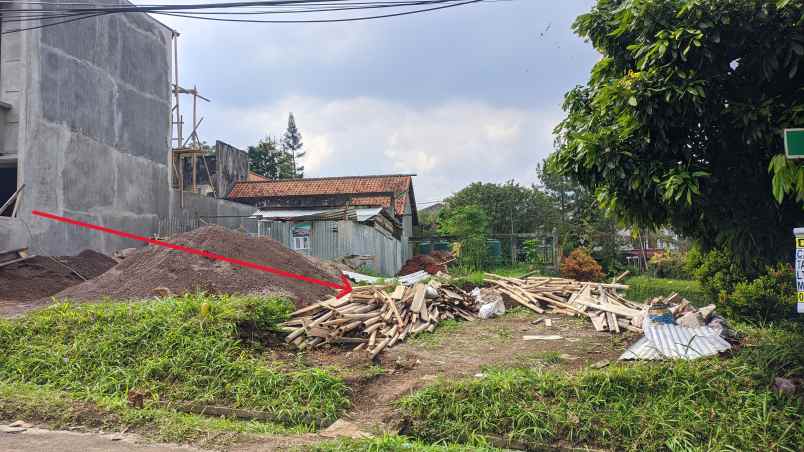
333 217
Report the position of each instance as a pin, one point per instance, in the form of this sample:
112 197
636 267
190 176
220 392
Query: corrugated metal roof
663 341
360 214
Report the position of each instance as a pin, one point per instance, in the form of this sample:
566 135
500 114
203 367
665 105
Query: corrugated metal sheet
676 342
407 280
333 239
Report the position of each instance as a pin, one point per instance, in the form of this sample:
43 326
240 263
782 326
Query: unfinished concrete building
85 131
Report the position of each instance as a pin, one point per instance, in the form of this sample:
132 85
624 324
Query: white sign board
799 234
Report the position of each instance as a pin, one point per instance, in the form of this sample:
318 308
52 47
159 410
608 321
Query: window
301 237
301 243
8 185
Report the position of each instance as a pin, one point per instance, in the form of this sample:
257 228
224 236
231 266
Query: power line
47 12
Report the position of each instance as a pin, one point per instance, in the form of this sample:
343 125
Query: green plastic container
425 247
494 250
441 245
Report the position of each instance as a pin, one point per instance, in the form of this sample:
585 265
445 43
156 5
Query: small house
370 217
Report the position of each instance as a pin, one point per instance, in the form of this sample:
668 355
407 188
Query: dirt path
465 350
39 440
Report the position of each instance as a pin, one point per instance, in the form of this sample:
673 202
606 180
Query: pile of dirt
156 267
26 285
42 276
432 263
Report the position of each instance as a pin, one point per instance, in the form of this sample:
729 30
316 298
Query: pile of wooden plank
376 317
605 307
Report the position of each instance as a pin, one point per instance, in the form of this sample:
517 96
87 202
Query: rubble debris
691 338
432 263
372 319
783 386
490 302
152 267
344 429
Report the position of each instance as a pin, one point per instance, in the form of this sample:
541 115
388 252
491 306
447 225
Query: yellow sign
799 268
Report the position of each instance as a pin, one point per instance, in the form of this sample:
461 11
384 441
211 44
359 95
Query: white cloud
448 145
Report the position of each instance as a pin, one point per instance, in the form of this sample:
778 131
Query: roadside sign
794 143
799 234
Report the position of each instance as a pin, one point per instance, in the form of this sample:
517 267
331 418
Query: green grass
192 348
391 443
59 410
646 287
710 404
462 276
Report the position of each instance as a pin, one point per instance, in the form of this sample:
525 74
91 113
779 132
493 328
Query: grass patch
192 348
464 278
710 404
391 443
646 287
59 410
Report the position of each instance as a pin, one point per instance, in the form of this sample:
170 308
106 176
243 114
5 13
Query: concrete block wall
92 101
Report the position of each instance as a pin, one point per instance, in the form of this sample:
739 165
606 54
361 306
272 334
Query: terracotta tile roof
401 185
254 177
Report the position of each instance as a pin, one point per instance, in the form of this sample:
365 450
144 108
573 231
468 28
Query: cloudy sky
456 96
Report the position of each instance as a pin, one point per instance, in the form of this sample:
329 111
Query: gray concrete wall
90 125
232 166
13 235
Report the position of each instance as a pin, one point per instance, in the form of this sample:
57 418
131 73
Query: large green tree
507 206
683 114
578 219
268 161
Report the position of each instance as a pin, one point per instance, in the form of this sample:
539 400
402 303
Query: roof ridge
323 178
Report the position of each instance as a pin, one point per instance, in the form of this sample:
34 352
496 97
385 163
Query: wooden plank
619 310
418 297
399 292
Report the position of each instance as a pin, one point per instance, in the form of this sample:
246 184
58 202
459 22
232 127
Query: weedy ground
467 386
709 404
69 365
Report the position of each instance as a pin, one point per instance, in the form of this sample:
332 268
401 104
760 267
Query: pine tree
291 145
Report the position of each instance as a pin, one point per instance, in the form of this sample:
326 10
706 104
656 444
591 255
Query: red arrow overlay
344 288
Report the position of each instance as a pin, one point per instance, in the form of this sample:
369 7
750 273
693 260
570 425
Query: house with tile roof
332 217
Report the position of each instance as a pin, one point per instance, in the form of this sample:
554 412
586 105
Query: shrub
582 266
771 296
669 265
470 225
717 272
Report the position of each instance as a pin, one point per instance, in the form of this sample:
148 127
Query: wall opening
8 185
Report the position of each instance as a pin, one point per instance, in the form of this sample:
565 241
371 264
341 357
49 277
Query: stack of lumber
601 303
375 317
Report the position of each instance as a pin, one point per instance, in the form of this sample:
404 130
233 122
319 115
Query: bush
470 225
582 266
717 271
771 296
669 265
